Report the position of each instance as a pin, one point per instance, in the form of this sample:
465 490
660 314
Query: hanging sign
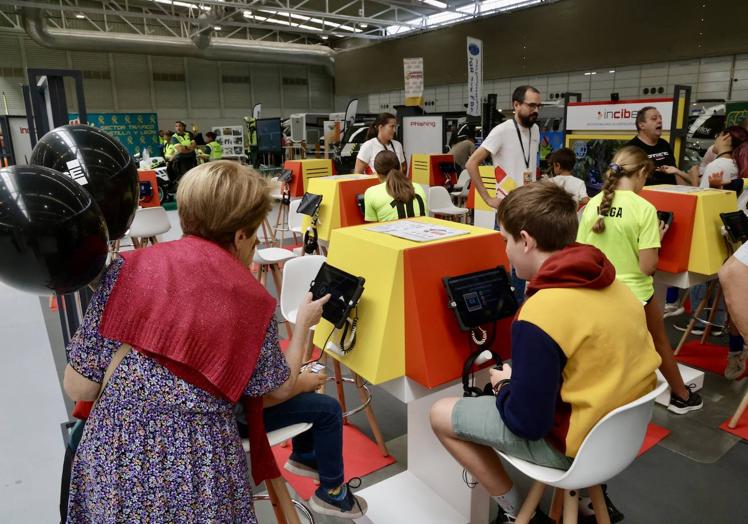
475 75
413 68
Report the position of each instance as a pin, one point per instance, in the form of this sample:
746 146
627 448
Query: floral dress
155 448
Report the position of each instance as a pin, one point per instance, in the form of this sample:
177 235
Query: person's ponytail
399 186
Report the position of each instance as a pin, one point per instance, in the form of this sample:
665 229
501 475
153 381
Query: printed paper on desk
504 183
417 231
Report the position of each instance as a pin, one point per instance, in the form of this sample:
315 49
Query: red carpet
654 434
709 357
361 456
741 430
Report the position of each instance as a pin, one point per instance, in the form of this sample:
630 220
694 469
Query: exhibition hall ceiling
333 23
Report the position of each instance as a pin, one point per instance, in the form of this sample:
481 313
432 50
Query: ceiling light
363 26
247 14
435 3
612 71
80 16
217 27
324 37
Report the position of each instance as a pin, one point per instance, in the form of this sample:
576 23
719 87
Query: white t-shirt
370 148
573 185
503 144
726 165
742 254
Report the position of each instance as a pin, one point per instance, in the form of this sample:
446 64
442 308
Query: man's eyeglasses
534 107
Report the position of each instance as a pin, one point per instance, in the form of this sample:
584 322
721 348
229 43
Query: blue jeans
323 443
697 295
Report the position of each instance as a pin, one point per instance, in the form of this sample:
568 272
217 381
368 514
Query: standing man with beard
513 147
649 138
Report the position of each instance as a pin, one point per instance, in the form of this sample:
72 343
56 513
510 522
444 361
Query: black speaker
614 97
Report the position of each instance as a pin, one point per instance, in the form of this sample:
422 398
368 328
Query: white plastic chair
460 191
147 224
295 219
278 494
743 202
269 260
298 274
608 449
441 204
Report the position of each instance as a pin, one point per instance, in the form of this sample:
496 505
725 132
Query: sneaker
673 310
587 514
698 330
736 364
538 518
347 505
301 468
681 407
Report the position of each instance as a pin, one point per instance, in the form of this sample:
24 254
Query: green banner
735 113
134 130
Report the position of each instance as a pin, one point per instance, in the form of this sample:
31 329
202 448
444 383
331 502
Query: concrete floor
694 476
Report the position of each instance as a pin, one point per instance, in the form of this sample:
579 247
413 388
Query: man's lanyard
525 156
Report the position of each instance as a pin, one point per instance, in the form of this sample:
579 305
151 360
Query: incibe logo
618 114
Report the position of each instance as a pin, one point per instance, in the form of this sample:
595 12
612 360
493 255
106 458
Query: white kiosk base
432 489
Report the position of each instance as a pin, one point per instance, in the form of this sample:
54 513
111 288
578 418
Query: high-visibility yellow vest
184 139
216 151
169 151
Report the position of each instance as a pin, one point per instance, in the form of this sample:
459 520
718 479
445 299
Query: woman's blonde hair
217 199
399 186
627 162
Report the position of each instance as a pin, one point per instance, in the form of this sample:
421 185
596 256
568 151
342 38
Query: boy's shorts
478 420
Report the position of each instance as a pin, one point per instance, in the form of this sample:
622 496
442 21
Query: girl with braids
396 197
625 227
380 137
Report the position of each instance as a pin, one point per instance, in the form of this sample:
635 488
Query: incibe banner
475 75
413 68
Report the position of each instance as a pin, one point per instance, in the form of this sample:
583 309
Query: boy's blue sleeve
527 404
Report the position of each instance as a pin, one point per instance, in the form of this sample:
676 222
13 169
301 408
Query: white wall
197 91
710 78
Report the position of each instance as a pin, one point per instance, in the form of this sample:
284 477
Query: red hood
577 265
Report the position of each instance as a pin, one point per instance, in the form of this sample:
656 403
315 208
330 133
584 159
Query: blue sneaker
345 505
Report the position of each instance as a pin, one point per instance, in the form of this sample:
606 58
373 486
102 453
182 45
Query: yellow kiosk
409 343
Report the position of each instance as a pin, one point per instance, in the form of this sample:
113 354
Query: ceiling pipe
226 49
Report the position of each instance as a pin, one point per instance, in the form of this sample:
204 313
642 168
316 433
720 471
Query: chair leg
557 504
373 424
339 386
275 271
739 412
692 322
599 505
571 506
279 517
712 314
531 503
284 500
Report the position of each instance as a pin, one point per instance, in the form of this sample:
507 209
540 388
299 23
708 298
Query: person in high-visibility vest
213 148
184 147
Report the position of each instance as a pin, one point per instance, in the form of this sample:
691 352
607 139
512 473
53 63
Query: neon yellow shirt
631 225
379 206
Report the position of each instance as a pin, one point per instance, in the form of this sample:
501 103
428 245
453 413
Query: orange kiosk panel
303 170
676 245
436 347
147 175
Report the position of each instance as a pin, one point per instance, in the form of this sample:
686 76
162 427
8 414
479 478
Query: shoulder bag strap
121 353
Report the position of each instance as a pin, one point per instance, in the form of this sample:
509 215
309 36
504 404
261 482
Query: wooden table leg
339 386
557 504
739 412
284 500
369 411
712 314
692 322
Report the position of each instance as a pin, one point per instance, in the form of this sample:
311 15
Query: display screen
269 135
345 290
481 297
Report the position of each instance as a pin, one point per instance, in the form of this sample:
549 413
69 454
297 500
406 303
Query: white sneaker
673 310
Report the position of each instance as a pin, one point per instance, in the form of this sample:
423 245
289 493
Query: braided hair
628 161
